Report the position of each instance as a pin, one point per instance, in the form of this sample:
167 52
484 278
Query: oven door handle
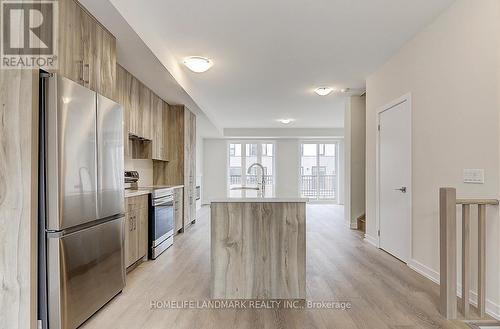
163 201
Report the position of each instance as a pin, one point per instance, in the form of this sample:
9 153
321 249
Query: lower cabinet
178 210
136 229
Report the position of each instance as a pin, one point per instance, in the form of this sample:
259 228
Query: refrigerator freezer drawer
85 270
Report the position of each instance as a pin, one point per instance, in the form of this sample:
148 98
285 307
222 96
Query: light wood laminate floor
384 292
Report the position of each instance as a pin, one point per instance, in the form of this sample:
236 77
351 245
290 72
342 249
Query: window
319 165
322 170
255 152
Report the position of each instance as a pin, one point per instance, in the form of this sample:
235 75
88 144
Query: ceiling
270 55
135 56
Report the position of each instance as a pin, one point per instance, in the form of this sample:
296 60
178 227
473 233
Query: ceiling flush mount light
323 91
198 64
286 121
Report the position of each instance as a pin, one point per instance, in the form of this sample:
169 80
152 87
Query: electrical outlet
474 176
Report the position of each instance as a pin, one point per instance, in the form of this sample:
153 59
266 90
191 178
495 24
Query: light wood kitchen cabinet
181 166
136 229
87 51
131 239
106 82
189 168
70 47
134 91
159 116
128 95
121 98
143 224
137 99
19 197
178 209
144 114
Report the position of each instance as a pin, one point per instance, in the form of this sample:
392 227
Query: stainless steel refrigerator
81 258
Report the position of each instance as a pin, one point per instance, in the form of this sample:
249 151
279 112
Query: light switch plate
474 176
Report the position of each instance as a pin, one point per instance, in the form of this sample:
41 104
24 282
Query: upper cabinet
87 51
133 94
87 55
145 115
159 123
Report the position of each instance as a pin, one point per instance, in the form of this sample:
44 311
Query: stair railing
448 252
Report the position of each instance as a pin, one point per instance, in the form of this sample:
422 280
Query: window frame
244 164
337 143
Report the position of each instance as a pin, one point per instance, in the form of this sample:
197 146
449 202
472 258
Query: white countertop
129 193
147 190
260 200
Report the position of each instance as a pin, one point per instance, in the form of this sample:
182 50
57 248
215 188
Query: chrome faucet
262 184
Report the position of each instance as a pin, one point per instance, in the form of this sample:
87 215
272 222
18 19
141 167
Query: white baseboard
428 272
371 240
492 309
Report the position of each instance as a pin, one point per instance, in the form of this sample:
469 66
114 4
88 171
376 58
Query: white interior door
395 180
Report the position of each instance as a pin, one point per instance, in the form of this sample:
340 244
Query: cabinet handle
81 78
88 74
135 223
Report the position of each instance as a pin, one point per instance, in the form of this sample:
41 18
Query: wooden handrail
491 202
448 252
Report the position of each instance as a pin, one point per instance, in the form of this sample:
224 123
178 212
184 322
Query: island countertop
260 200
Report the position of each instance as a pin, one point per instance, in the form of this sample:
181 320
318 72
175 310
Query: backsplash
144 168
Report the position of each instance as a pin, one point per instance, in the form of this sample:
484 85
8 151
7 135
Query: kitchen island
258 248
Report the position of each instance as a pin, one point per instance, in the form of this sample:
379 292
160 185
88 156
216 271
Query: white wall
214 169
291 133
355 140
452 71
342 173
199 162
144 168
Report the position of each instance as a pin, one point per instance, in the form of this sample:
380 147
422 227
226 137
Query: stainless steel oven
161 228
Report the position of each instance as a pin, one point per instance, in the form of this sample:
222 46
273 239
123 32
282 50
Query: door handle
402 189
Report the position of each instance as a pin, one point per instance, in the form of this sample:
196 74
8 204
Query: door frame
408 99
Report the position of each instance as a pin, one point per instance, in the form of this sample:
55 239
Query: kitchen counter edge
129 193
261 200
